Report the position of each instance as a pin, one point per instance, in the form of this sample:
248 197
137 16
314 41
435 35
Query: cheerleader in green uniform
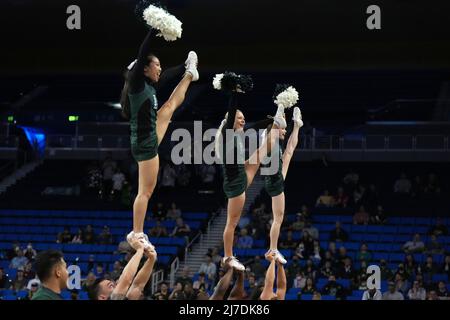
149 124
239 173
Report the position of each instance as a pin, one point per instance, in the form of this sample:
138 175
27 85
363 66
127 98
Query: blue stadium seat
344 282
371 237
290 297
359 229
383 247
306 297
328 298
353 298
396 257
406 230
440 277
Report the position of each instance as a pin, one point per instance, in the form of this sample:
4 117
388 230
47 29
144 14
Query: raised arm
128 273
223 284
238 291
136 77
281 282
141 279
267 293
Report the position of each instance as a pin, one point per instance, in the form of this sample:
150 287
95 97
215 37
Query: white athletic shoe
279 257
140 236
234 263
279 119
297 117
191 64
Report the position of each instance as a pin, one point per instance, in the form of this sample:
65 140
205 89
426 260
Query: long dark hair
124 99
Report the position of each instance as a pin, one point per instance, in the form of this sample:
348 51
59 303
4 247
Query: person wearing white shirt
372 294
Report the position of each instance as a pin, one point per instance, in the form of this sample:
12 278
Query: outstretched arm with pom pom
137 78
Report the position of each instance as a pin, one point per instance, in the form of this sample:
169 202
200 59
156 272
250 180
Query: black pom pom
234 82
280 87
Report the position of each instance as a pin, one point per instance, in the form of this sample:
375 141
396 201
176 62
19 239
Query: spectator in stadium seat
89 281
289 242
117 270
189 292
359 196
410 264
417 292
32 288
173 213
445 268
379 216
105 237
158 230
177 292
181 229
402 272
78 237
208 174
341 198
429 268
185 277
372 294
304 213
12 252
310 269
29 252
298 225
307 243
209 268
118 180
442 291
327 270
316 296
351 179
257 268
19 283
392 293
309 288
162 293
332 249
51 270
386 273
91 263
99 271
347 271
216 257
433 185
124 246
299 281
317 252
200 282
342 256
4 280
332 288
108 168
361 216
159 212
28 272
338 234
293 268
325 199
434 246
414 246
402 185
89 235
364 254
401 284
312 231
439 229
168 177
432 295
244 241
19 261
65 236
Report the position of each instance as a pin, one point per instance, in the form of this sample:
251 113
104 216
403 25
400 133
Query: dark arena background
373 154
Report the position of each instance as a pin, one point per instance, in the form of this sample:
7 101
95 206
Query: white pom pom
288 98
168 25
217 81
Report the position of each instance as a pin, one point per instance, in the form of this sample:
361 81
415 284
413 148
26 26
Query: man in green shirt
52 272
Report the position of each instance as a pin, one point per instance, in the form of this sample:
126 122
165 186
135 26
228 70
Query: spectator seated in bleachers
414 246
201 282
402 185
19 283
208 267
105 237
89 235
325 199
434 246
417 292
393 293
173 212
442 291
257 267
65 236
333 288
244 241
289 242
364 254
372 294
379 216
181 229
439 229
29 252
341 198
158 230
19 261
311 230
78 237
338 234
298 224
361 216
